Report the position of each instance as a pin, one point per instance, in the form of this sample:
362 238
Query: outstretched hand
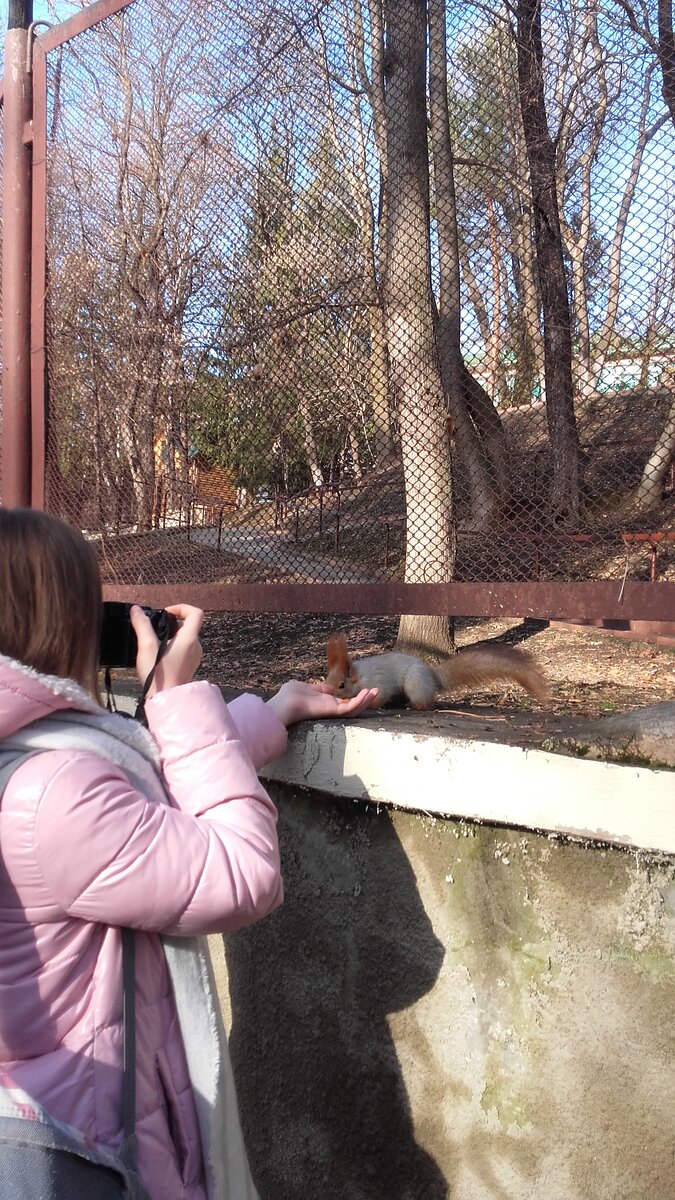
182 655
297 701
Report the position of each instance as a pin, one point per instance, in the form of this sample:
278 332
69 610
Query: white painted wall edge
480 781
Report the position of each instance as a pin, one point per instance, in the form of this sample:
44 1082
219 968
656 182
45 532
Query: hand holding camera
183 653
162 644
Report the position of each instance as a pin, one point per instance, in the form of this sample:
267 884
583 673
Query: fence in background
414 317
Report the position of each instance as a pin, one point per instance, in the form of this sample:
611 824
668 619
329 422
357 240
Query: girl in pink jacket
105 824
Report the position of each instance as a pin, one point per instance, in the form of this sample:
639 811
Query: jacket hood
26 695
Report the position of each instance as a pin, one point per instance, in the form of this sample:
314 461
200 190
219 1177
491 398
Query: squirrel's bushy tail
483 665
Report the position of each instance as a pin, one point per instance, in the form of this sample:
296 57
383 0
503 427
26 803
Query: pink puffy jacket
83 853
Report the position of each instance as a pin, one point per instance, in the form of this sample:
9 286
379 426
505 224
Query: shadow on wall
323 1103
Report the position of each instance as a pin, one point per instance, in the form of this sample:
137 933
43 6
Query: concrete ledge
429 763
483 781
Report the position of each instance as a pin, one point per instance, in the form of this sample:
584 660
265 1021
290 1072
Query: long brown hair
50 596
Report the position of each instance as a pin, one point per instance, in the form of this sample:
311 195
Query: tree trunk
494 343
379 379
650 489
415 372
564 438
353 443
483 495
308 438
491 431
138 439
379 374
667 53
528 292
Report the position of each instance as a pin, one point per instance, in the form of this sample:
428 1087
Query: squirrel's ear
336 652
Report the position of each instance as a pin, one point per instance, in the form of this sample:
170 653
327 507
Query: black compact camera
118 640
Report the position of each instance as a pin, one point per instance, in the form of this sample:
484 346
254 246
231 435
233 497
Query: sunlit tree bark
408 296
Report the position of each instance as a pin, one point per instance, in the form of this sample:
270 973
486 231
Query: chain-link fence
349 292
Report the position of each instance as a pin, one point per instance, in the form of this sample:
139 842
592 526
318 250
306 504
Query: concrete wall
450 1009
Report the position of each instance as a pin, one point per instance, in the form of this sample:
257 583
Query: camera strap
139 714
110 695
140 707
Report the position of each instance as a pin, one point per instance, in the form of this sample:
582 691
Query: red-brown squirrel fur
404 677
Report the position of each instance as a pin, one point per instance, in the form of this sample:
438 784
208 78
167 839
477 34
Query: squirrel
404 676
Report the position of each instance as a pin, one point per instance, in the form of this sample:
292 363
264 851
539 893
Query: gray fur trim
123 731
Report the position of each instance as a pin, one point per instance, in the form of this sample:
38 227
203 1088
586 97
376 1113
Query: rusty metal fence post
24 276
16 268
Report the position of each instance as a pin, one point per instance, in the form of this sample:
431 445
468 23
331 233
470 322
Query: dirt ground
590 674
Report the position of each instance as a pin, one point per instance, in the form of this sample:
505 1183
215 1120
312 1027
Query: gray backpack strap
9 762
128 1148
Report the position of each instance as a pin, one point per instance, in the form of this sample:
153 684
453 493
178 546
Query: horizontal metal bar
659 536
548 601
85 19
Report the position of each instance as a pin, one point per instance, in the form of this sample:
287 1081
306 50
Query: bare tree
137 204
495 210
480 441
661 43
661 40
588 102
352 139
565 496
660 315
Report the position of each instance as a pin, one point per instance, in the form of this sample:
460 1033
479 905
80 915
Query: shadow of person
516 634
323 1101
